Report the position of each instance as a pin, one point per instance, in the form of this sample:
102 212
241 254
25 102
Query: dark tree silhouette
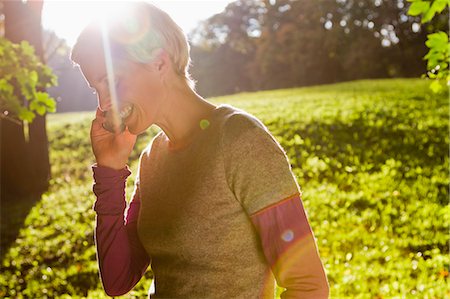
25 167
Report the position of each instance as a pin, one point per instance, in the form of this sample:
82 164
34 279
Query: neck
181 112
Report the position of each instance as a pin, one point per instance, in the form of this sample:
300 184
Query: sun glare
68 18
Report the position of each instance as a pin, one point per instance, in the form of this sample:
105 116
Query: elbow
116 286
114 291
118 282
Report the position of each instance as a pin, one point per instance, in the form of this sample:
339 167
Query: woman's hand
110 150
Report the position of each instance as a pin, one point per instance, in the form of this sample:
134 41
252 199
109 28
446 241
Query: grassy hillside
372 159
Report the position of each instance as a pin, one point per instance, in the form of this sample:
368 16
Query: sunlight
110 74
68 18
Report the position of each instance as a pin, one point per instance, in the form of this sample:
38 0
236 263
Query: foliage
438 42
427 8
22 77
264 44
371 158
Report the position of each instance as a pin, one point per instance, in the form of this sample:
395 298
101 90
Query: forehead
90 51
94 66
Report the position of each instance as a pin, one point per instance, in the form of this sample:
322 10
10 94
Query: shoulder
256 167
238 122
243 133
244 130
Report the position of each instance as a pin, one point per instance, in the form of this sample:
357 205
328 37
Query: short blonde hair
142 30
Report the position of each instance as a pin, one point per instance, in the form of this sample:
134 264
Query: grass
372 159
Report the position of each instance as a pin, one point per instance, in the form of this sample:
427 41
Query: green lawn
372 159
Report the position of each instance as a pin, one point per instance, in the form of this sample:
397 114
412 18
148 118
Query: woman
216 210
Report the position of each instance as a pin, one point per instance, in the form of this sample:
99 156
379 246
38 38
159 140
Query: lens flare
204 124
287 235
113 114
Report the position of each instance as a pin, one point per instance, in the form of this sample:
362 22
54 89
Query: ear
162 63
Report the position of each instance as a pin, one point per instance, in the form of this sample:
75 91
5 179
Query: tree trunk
25 167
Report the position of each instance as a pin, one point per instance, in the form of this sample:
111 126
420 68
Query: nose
104 101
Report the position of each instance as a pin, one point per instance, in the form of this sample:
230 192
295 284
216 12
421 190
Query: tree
305 42
222 47
290 51
25 167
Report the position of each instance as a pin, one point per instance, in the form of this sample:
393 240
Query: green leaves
428 9
418 7
438 41
43 103
438 55
23 79
26 115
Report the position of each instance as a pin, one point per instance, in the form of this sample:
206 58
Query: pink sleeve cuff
290 249
280 226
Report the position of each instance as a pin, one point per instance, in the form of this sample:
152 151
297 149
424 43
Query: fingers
97 123
100 125
99 113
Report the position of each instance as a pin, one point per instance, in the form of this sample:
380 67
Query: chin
137 130
134 131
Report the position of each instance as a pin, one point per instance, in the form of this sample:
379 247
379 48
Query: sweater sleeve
122 258
256 167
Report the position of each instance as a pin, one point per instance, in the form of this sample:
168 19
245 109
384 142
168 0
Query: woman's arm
290 249
260 175
122 258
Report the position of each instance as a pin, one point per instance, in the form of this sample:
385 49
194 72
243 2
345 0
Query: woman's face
138 88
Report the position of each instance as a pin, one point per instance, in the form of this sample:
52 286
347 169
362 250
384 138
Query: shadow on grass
363 145
336 151
14 210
